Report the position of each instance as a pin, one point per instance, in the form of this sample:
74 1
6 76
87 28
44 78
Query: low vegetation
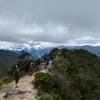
46 86
7 59
75 75
9 72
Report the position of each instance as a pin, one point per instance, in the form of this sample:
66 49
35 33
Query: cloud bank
29 23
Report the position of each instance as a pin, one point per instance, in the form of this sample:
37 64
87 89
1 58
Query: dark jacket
16 74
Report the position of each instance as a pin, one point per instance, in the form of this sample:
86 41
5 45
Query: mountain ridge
42 50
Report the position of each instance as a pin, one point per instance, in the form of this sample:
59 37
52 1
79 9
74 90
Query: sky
31 23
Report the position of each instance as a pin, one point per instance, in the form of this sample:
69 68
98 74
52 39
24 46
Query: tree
24 55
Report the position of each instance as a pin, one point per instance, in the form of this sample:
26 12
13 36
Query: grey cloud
56 21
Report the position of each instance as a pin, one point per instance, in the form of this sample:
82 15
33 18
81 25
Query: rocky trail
25 91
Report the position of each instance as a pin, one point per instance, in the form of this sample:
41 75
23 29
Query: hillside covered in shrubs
74 75
7 59
22 60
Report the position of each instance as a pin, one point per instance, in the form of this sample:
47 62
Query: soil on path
25 91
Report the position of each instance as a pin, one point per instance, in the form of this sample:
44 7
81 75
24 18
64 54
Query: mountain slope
76 74
36 52
93 49
7 59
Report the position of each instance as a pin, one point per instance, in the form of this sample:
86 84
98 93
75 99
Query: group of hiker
30 68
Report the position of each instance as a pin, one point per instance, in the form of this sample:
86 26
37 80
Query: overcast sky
49 22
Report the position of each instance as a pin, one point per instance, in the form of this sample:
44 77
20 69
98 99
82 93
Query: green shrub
21 65
47 97
59 98
5 80
43 81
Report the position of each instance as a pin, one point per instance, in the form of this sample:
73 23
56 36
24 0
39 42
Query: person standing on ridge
16 76
31 69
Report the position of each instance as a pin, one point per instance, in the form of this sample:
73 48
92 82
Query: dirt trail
25 91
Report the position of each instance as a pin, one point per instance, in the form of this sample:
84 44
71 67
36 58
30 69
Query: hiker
31 70
37 64
17 76
42 66
27 68
46 63
50 63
